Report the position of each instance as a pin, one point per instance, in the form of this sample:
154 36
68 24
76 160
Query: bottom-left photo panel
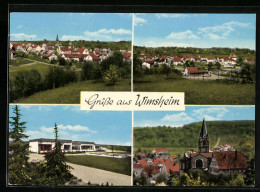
61 145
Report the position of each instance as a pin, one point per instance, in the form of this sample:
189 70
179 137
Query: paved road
95 176
99 176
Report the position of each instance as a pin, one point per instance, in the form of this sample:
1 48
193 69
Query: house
161 153
127 56
147 64
43 145
194 71
11 54
249 60
224 162
177 61
228 162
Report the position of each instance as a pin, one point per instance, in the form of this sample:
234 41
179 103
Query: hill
241 134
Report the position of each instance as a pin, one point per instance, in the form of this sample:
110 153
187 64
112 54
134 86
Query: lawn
70 94
41 68
19 61
116 165
198 91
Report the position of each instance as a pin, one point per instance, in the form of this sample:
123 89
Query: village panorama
207 76
56 71
212 163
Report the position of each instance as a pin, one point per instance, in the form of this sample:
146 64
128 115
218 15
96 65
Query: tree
56 171
111 75
28 82
18 158
210 65
218 67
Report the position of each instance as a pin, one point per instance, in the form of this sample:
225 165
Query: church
224 162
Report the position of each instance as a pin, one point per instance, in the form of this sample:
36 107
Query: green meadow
117 165
70 94
199 92
41 68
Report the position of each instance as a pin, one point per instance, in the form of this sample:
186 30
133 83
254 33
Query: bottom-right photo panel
201 146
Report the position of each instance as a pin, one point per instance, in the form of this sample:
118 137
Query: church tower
203 139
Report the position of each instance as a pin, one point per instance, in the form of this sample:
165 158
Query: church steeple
57 38
203 131
203 138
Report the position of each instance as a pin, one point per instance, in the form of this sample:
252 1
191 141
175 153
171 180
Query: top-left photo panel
55 56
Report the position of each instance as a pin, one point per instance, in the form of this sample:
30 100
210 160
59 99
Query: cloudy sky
193 114
195 30
101 127
71 26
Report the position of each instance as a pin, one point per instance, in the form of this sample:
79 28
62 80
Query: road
93 175
33 62
217 142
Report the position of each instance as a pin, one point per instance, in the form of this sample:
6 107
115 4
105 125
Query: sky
195 30
101 127
71 26
192 114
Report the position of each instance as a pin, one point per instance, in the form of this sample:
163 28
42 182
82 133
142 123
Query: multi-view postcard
131 99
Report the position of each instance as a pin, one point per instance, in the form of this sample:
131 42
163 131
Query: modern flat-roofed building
43 145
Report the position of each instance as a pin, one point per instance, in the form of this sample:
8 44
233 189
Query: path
95 176
211 77
217 142
34 62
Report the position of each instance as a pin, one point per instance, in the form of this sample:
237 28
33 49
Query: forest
87 44
207 52
241 134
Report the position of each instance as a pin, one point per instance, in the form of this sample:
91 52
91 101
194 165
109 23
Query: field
19 61
198 91
70 94
116 165
41 68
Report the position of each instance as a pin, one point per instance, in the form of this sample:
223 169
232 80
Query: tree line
110 70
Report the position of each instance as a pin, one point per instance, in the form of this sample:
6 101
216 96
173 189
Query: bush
111 76
27 83
58 77
91 70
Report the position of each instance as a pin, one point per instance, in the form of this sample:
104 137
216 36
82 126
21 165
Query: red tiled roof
228 160
171 167
151 170
64 48
193 69
210 58
138 166
173 158
127 55
160 150
177 59
94 57
51 44
81 50
143 163
157 161
207 155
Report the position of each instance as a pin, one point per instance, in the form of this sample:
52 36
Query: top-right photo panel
209 57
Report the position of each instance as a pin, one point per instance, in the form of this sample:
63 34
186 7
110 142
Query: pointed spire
203 132
57 38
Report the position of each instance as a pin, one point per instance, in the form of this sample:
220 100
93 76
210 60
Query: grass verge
116 165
